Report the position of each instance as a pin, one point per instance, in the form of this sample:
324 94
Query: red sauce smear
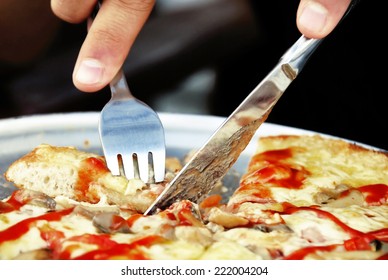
289 209
54 239
133 218
302 253
6 207
270 156
380 234
213 200
281 175
106 247
17 230
109 249
186 218
117 222
270 168
91 169
358 240
254 192
383 257
11 204
376 194
184 215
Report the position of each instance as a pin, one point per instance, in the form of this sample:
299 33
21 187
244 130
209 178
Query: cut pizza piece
80 176
328 194
313 170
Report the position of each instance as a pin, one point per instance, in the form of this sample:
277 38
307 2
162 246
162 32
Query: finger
73 11
108 42
317 18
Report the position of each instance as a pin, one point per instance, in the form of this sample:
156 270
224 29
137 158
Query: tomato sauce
376 194
10 204
270 169
133 218
17 230
358 240
109 249
302 253
271 156
91 169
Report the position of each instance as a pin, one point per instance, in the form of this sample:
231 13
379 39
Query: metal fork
132 135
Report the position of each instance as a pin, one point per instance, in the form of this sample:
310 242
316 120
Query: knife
213 160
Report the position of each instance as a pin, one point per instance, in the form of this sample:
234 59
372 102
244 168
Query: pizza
301 197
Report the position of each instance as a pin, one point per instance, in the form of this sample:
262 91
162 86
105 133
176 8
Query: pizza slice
309 170
82 176
302 197
325 198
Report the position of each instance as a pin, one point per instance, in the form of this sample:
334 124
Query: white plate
20 135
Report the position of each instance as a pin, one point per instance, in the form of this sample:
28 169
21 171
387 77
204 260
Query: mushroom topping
25 196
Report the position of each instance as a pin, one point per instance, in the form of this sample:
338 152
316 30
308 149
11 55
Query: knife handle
296 57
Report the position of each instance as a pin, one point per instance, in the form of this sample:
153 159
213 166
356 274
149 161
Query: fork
131 133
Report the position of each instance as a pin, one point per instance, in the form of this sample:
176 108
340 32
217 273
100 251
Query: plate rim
171 121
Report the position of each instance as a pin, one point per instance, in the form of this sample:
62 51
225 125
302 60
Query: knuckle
66 11
107 36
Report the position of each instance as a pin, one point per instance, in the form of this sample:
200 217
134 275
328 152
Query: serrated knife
213 160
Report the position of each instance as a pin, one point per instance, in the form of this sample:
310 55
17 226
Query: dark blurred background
205 56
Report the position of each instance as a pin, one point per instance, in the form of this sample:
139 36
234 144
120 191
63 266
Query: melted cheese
362 218
227 250
175 250
316 230
11 249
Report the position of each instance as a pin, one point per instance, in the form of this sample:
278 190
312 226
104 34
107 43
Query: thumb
108 42
317 18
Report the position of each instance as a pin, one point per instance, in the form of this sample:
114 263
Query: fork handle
119 87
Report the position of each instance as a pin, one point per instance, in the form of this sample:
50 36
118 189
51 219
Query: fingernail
90 72
314 16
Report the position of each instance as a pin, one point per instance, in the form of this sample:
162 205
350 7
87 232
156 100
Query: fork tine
113 164
128 166
158 164
142 161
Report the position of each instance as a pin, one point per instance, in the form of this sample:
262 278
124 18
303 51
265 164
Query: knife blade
213 160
